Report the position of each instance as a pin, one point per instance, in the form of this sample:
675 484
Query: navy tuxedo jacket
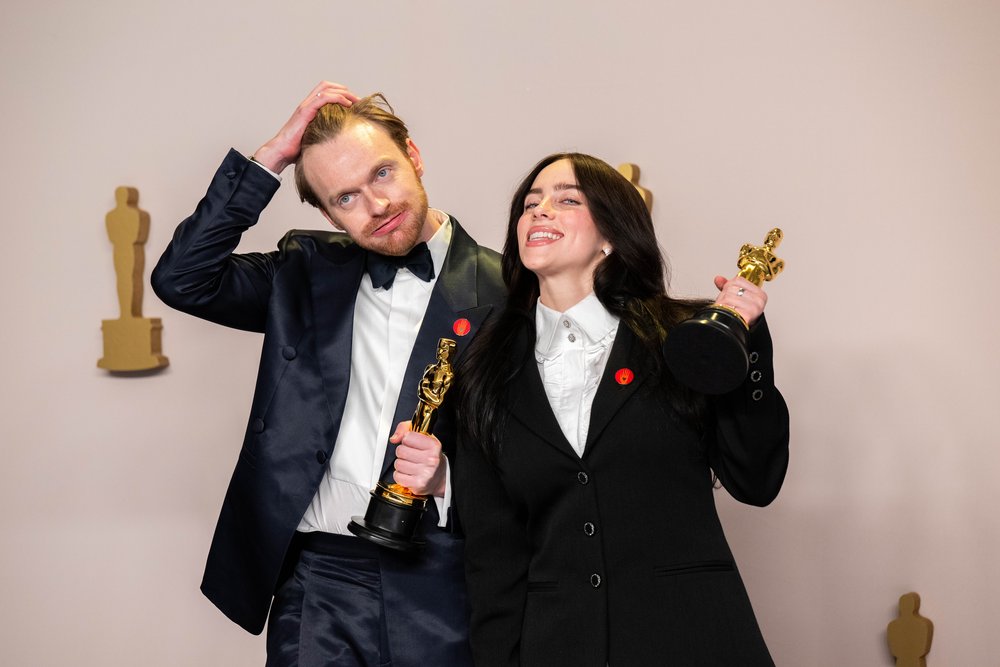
618 557
301 297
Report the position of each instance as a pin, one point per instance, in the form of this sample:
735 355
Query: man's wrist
263 166
270 159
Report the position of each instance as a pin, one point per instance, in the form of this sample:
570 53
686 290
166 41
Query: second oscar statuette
394 512
708 352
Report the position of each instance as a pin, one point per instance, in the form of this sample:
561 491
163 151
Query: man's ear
413 153
330 220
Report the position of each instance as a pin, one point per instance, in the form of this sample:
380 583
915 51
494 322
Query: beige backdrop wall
867 129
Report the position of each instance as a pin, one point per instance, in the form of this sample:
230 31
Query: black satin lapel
334 281
611 394
453 312
530 406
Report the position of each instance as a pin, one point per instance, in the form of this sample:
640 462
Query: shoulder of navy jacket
314 239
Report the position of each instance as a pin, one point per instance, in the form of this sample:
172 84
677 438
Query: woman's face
556 235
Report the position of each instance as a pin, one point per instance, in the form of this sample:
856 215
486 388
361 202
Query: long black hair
630 283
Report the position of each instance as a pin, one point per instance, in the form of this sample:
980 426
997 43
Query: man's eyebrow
558 186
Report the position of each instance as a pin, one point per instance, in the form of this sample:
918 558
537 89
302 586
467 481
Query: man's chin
397 242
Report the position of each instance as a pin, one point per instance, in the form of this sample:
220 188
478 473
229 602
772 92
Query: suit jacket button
588 529
595 580
582 477
320 456
288 352
257 425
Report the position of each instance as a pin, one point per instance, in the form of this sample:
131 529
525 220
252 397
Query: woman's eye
571 202
530 205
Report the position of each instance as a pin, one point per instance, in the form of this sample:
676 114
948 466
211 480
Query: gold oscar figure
910 634
394 512
132 342
708 352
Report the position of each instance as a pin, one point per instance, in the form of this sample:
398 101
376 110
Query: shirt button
572 338
588 529
582 477
566 323
755 376
320 456
257 426
753 357
288 352
757 394
595 580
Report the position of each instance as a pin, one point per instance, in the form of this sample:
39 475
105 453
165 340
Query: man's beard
402 239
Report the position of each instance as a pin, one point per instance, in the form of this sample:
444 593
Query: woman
584 481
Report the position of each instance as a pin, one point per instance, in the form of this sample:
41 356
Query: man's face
370 189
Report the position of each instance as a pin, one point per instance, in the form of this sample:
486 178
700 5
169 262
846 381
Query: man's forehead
366 133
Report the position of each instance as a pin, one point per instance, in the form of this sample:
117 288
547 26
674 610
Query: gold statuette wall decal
631 173
132 342
910 635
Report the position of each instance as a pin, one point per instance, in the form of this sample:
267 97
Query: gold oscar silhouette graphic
132 342
394 511
708 352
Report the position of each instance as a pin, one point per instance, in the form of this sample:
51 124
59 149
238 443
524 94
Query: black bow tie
382 268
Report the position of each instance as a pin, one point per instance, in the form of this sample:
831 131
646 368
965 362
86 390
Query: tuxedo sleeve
199 273
497 554
748 447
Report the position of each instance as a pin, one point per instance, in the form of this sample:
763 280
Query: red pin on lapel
461 327
624 376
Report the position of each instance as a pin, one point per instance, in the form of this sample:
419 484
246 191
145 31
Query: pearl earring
606 251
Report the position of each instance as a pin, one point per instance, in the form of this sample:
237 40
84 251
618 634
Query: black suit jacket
301 297
618 557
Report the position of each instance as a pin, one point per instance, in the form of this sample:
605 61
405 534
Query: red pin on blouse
461 327
624 376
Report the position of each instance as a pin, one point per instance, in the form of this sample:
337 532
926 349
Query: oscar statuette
708 352
394 511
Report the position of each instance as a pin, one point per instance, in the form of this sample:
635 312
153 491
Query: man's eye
383 172
344 200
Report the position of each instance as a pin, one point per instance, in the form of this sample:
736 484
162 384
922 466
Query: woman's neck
561 295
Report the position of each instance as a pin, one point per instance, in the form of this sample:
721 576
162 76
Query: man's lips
390 225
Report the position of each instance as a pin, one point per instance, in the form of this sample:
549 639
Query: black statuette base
390 524
708 352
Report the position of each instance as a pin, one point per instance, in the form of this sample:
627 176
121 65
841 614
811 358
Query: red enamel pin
461 327
624 376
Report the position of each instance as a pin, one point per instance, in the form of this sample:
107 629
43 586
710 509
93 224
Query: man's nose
378 203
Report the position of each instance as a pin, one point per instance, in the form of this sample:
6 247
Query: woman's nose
543 209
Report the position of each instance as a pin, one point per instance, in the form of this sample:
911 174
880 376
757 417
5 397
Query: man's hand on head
283 149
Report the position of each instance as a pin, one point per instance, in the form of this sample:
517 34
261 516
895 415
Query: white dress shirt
571 350
386 322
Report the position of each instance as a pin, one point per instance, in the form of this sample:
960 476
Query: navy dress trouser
330 611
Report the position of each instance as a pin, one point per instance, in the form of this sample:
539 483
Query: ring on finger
740 292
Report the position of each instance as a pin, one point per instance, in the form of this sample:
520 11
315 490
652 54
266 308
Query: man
346 339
